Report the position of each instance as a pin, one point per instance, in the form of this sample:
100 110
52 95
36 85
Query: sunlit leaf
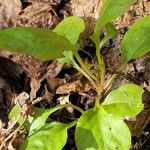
43 44
97 130
136 40
51 136
124 101
70 28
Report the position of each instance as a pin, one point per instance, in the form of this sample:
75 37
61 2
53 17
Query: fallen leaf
38 14
9 11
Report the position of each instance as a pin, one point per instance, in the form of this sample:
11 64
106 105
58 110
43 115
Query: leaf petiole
69 105
100 59
70 125
97 105
84 66
109 82
97 87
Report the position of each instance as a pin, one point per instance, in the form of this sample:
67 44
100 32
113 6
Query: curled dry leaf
54 83
74 86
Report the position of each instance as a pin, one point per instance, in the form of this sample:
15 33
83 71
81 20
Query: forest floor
23 76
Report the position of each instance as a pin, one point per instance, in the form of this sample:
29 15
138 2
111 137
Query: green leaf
15 114
51 136
70 28
40 116
111 33
110 10
68 57
97 130
43 44
136 40
124 101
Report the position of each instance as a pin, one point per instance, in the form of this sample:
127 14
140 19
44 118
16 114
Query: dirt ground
50 82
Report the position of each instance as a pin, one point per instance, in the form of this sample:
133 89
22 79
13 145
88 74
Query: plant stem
69 105
101 65
101 60
70 125
110 81
97 101
95 85
86 69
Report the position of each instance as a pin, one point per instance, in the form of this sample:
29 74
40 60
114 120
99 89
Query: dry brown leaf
85 8
137 11
74 86
54 83
38 14
9 11
35 69
138 125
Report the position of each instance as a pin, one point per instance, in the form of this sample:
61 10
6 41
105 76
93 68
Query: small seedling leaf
111 31
15 113
110 10
51 136
43 44
70 28
97 130
124 101
136 40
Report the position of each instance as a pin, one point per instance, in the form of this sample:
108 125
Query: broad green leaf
51 136
124 101
70 28
43 44
110 10
15 114
136 41
97 130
